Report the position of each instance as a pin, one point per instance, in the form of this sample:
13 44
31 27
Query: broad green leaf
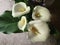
11 27
7 16
8 27
8 24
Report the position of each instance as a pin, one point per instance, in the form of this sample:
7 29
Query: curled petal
22 23
38 31
41 13
20 9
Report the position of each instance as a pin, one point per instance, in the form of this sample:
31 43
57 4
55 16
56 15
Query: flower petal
20 9
38 31
41 13
22 23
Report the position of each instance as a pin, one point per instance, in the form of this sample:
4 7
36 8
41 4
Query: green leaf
8 24
11 27
8 27
7 16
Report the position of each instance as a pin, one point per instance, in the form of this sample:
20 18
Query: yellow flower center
21 9
22 22
37 15
34 30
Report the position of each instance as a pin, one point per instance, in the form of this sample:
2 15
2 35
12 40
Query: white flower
38 31
22 23
20 9
41 13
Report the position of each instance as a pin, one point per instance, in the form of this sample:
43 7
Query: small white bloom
41 13
38 31
20 9
22 23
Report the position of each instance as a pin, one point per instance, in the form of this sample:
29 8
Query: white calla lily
20 9
38 31
41 13
22 23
